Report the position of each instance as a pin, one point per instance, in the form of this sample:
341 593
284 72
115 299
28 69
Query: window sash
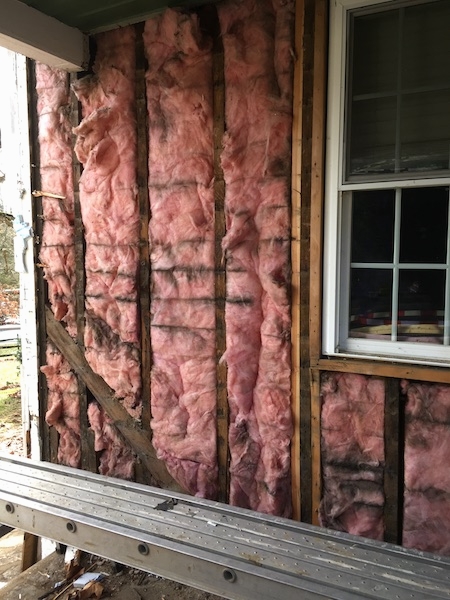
336 290
345 341
391 104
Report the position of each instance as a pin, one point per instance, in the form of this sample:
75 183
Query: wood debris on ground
57 578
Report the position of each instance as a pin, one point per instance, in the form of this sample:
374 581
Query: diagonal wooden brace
127 426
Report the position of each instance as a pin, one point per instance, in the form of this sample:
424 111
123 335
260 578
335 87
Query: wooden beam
305 279
316 241
210 22
316 477
88 455
30 550
48 436
105 396
318 138
384 369
223 451
308 181
393 463
295 260
30 32
142 176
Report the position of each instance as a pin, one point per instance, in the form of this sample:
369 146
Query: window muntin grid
392 297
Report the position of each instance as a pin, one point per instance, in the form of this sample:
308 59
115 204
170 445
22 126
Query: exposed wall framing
190 330
48 436
144 258
308 365
223 453
308 184
307 210
394 464
88 456
127 426
295 260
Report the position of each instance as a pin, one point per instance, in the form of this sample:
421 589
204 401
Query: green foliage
10 403
9 279
8 276
18 352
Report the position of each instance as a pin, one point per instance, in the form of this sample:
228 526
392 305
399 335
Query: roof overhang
56 32
30 32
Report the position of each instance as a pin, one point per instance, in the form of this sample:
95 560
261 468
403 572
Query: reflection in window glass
424 219
421 306
397 117
370 302
373 226
398 269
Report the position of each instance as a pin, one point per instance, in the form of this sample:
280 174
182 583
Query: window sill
386 368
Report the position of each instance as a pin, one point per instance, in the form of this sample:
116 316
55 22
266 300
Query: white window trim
334 246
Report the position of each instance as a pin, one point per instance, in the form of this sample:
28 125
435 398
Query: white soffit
27 31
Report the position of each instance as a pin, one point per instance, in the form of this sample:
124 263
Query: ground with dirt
9 278
11 436
118 582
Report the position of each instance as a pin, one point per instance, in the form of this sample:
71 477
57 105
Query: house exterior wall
15 199
189 316
359 427
381 425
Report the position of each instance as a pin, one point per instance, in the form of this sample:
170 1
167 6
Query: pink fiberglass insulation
57 251
63 406
426 524
256 162
352 428
57 254
257 38
116 459
181 232
106 146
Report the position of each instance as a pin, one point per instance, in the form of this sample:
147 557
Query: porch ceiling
90 16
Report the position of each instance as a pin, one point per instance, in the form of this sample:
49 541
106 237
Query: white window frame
335 339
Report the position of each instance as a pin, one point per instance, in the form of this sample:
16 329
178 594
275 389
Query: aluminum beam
235 553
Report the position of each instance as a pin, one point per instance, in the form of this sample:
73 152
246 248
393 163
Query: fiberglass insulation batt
57 254
353 459
106 147
181 233
352 428
426 523
257 39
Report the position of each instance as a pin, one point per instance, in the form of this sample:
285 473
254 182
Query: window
387 232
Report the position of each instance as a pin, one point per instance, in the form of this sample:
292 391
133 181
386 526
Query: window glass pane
398 86
374 61
425 131
421 306
423 231
372 136
425 63
373 226
370 303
